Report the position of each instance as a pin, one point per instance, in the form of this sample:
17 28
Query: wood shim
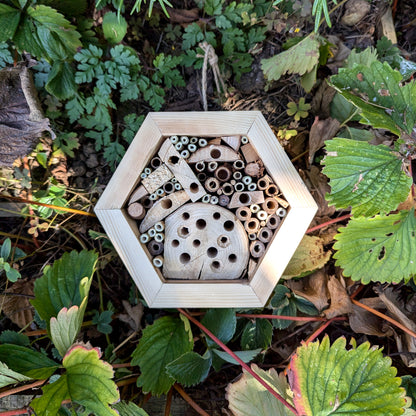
157 178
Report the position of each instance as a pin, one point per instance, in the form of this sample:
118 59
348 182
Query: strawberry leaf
86 381
162 342
330 380
247 397
8 376
379 249
366 177
222 323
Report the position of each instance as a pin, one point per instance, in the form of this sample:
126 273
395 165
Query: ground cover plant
338 334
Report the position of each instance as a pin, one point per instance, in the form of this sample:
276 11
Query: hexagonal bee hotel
205 209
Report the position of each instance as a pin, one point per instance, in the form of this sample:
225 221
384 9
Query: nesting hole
216 215
244 198
194 187
166 203
228 225
185 216
201 224
174 160
175 243
183 232
196 243
215 153
184 258
212 252
215 265
223 174
232 258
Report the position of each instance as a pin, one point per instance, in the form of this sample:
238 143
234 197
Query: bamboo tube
136 211
270 205
265 235
273 222
155 248
243 214
212 185
223 200
223 173
252 226
257 249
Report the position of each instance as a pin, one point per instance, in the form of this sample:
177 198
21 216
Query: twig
55 207
23 411
242 363
182 392
21 388
284 318
383 316
168 404
326 223
323 327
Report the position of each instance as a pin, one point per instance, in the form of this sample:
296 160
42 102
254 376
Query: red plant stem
242 363
23 411
383 316
55 207
21 388
318 227
357 291
168 404
323 327
182 392
285 318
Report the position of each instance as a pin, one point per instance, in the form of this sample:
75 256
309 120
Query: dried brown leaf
321 131
16 305
321 101
340 300
364 322
133 316
313 288
183 15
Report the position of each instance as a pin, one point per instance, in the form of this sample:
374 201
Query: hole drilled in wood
183 232
196 243
194 187
215 265
223 241
232 258
185 216
175 243
215 153
216 215
228 225
212 252
166 203
201 224
184 258
244 198
173 160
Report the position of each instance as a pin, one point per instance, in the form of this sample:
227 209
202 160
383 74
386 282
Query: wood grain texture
157 178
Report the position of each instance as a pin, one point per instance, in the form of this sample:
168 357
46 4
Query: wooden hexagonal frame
123 231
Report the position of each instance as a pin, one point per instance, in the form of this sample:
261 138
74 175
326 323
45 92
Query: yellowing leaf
309 256
8 376
86 381
247 397
299 59
330 380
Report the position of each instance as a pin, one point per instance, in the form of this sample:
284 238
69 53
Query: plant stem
323 327
55 207
325 224
285 318
22 388
182 392
23 411
168 404
383 316
242 363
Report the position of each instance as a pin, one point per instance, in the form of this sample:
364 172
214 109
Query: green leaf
26 361
190 368
9 20
114 27
222 323
193 34
247 397
161 343
245 356
368 178
64 284
329 380
343 110
379 249
256 334
61 81
129 409
8 376
56 35
409 383
103 320
356 134
299 59
5 55
13 275
86 381
378 93
365 57
65 327
13 337
6 249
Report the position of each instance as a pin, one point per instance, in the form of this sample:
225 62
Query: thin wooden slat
205 124
127 175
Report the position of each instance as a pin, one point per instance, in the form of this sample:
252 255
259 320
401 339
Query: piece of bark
243 199
157 178
182 171
250 155
214 153
162 208
21 118
138 194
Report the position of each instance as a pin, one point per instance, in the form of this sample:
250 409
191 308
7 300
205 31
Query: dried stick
182 392
284 318
22 388
23 411
383 316
318 227
168 404
242 363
